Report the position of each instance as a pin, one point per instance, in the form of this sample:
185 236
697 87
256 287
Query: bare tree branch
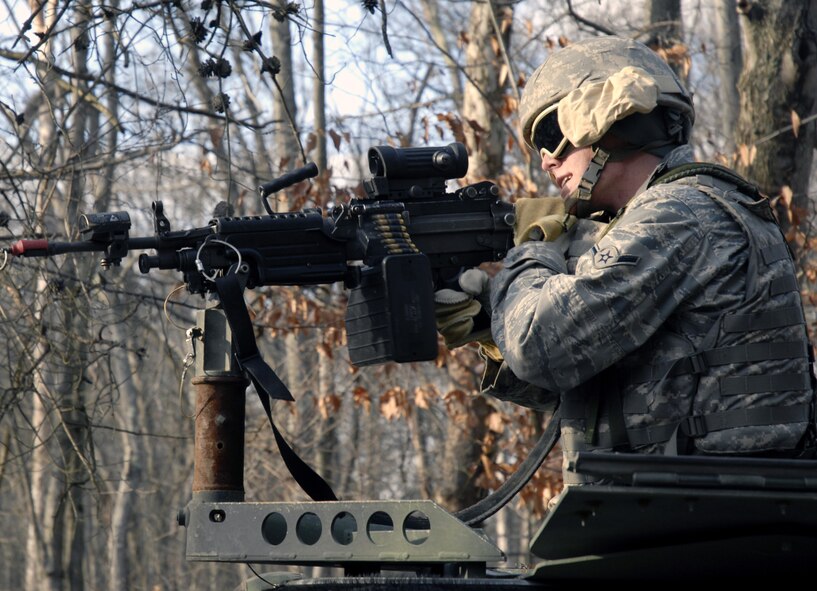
127 92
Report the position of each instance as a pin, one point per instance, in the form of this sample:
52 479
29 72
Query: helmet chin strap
578 203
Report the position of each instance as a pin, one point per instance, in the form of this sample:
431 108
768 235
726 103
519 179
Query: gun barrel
42 247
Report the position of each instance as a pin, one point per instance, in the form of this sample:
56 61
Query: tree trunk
102 192
319 94
39 552
777 87
483 98
43 556
285 151
666 34
126 368
462 450
730 62
485 134
325 435
75 432
664 18
417 431
438 33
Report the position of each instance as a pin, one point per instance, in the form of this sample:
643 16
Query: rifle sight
411 174
448 162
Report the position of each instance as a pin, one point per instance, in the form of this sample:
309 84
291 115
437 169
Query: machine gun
408 237
662 519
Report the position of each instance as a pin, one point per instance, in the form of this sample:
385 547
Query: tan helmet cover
588 112
592 62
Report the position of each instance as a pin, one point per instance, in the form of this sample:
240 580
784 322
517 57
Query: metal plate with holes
326 533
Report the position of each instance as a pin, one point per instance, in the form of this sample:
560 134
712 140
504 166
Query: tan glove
490 350
456 310
540 218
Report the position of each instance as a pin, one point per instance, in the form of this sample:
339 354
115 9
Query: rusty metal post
218 472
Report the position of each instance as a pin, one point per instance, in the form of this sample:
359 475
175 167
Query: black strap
783 284
266 382
709 169
700 425
775 252
484 508
767 320
732 386
246 351
618 428
268 385
700 362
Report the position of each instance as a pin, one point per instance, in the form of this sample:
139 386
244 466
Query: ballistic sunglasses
546 135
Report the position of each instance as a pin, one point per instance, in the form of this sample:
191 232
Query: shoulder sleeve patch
609 256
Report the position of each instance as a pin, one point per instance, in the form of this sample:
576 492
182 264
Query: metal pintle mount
338 533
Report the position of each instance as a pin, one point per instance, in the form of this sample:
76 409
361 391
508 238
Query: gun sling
269 386
266 382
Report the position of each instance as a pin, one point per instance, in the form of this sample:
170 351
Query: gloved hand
456 311
540 218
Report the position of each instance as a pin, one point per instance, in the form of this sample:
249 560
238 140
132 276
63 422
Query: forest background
112 105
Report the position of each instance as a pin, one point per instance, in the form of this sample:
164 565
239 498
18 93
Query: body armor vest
747 389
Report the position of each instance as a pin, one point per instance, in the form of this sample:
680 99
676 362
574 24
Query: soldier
681 331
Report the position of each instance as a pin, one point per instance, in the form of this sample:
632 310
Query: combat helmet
612 74
612 93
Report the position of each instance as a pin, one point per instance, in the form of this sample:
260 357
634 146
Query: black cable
485 508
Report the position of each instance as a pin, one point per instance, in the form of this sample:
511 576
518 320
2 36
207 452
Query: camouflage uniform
681 329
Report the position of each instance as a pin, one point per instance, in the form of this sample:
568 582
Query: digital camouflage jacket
680 331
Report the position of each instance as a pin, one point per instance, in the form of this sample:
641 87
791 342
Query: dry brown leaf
325 349
677 55
746 154
389 408
795 123
328 405
455 396
509 105
216 134
786 195
311 142
506 22
454 124
474 124
423 397
503 74
336 138
495 422
361 397
394 403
